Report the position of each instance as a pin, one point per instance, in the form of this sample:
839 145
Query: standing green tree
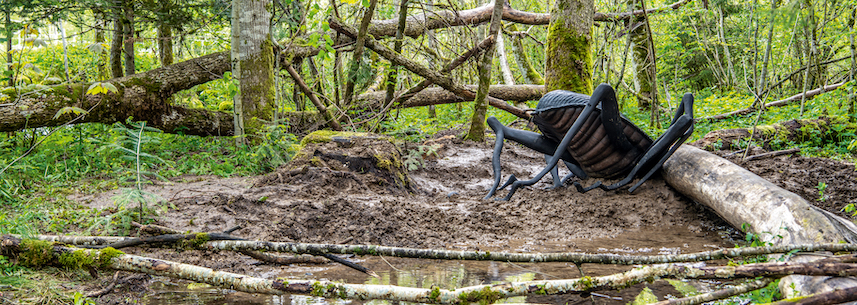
253 65
480 104
568 58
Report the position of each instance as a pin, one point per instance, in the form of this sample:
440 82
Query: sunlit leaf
69 109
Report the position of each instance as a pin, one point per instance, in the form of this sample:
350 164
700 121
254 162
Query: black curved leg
557 182
680 129
603 91
529 139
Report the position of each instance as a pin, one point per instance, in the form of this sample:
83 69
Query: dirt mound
336 191
335 162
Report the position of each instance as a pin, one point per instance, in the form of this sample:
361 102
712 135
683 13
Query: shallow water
456 274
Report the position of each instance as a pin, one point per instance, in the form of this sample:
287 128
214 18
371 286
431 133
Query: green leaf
70 109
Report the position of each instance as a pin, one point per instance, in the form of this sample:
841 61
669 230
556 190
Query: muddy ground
337 192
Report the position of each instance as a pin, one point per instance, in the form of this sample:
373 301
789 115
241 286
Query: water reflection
456 274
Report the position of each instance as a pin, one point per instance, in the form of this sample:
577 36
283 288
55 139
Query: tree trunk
142 96
255 58
116 44
641 59
61 29
480 104
508 79
531 75
9 59
165 44
128 37
103 55
852 73
357 55
730 74
568 63
774 214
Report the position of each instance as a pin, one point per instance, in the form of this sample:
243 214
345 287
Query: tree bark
774 214
531 75
480 293
852 73
116 44
357 55
641 59
419 24
128 37
480 103
256 61
142 96
568 57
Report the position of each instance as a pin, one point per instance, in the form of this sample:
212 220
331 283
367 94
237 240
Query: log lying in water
775 214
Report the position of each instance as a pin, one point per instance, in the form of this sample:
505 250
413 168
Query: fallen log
746 200
782 102
571 257
47 254
819 131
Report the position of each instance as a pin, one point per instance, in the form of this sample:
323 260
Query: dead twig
106 290
772 154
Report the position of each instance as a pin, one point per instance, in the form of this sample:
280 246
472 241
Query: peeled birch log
773 213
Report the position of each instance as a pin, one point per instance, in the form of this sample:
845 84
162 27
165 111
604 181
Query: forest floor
335 195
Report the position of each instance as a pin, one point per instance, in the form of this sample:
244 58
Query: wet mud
335 194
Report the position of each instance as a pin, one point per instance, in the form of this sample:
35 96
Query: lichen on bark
568 58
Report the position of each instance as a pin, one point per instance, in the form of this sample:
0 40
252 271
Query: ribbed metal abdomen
591 147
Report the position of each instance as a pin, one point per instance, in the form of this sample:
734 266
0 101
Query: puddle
456 274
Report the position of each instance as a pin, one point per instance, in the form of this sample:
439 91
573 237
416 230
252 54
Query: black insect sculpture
593 140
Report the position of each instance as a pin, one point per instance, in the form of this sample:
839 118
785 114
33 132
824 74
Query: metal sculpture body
593 139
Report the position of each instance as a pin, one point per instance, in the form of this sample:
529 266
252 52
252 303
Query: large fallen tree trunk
742 198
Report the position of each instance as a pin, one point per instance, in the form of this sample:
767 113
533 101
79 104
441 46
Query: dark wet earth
441 207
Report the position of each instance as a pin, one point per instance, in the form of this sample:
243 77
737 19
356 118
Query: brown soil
339 193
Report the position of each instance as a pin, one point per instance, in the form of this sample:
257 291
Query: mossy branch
572 257
481 293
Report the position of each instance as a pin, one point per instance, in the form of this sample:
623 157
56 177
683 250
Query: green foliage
413 159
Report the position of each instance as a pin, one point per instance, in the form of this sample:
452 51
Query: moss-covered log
39 253
777 136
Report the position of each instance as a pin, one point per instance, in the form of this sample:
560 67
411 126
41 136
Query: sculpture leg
664 146
529 139
596 97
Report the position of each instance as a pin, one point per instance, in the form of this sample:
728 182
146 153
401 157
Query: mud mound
335 191
341 162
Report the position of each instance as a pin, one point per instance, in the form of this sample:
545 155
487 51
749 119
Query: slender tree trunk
568 63
433 62
237 105
61 29
508 79
8 33
641 59
165 44
256 61
730 75
852 23
116 44
128 37
480 104
103 55
809 29
393 75
357 55
531 75
767 58
300 103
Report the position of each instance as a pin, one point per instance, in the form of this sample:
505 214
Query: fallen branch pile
109 258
